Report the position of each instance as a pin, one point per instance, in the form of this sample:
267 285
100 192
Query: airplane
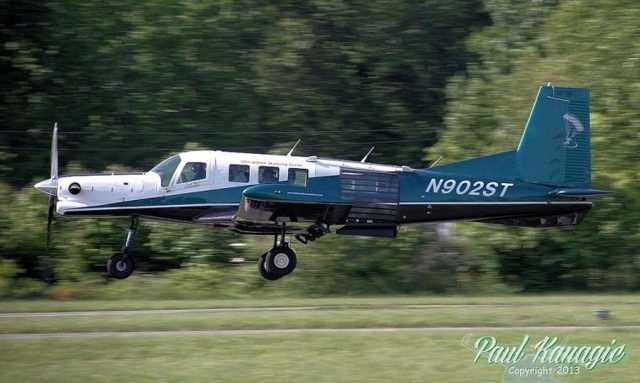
545 181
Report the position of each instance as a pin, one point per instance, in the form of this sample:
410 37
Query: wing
264 208
268 206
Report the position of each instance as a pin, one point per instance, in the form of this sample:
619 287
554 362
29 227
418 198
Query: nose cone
48 187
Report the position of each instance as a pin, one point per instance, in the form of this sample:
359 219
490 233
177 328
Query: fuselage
208 187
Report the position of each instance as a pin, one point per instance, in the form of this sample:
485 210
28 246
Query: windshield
166 168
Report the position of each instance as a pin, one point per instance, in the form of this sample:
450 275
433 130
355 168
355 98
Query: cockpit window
193 171
166 168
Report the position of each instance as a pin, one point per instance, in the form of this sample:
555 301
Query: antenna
291 151
367 155
435 162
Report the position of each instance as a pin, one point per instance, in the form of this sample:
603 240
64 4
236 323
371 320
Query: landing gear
263 271
120 265
281 260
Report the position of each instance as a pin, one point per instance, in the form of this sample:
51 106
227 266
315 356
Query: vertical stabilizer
555 147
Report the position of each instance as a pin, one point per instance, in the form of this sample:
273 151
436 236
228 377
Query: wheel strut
282 236
131 236
120 265
283 231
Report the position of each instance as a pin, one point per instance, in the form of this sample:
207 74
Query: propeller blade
52 208
54 152
50 188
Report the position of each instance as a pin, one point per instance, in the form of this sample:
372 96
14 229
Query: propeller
50 186
52 208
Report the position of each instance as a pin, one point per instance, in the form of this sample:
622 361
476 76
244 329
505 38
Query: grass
43 305
327 313
412 356
397 357
533 315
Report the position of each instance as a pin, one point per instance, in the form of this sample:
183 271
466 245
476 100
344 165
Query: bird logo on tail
573 127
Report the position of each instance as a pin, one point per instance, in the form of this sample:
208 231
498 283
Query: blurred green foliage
151 75
131 82
596 45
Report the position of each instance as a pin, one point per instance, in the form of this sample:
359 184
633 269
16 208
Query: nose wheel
120 265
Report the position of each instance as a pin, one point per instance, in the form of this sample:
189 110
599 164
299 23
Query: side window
298 177
268 174
193 171
239 173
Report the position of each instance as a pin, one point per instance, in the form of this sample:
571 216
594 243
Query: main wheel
280 260
120 266
264 273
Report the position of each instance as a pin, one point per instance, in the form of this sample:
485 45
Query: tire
264 273
120 266
280 260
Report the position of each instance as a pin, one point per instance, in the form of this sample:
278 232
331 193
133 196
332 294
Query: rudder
555 147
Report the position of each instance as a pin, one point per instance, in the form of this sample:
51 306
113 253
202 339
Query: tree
487 110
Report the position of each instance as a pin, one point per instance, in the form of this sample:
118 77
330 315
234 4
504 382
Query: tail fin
555 147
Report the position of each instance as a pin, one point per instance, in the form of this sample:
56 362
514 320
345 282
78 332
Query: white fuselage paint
103 189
